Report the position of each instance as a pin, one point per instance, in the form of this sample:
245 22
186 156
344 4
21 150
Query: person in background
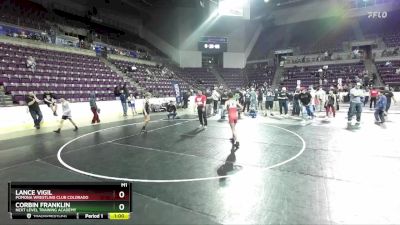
247 99
373 94
253 99
122 98
117 90
125 88
356 95
31 64
171 109
94 108
389 97
260 97
314 99
276 100
131 103
296 103
34 109
380 109
224 98
283 101
146 112
50 101
331 103
269 101
321 96
305 100
185 99
66 115
366 96
215 96
200 101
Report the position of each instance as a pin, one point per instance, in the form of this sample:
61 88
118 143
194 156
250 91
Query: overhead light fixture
266 1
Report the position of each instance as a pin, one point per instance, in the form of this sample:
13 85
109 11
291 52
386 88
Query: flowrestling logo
377 15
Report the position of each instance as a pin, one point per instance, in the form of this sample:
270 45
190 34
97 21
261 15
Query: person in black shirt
296 104
33 104
146 112
50 100
389 96
305 100
171 109
224 98
185 99
260 96
283 101
247 98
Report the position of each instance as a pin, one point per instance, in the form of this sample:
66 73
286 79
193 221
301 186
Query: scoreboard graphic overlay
70 200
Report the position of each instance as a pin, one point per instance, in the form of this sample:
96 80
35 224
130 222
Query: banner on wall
177 91
298 83
67 41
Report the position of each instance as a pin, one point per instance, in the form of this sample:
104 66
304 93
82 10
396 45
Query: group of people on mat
51 101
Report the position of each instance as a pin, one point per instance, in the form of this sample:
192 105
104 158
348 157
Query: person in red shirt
200 101
232 106
374 94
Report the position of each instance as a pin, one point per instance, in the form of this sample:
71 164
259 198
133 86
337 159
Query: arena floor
285 171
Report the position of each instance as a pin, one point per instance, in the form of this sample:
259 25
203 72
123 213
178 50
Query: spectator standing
247 99
305 100
94 108
200 101
296 103
321 96
283 101
276 100
366 96
224 98
331 103
215 96
123 98
185 98
34 109
373 94
260 97
253 99
269 101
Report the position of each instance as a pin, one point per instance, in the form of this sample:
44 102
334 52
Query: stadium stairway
278 75
120 73
371 67
218 76
5 100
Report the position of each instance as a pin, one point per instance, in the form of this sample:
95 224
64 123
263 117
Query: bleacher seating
308 77
392 40
260 74
388 72
152 77
68 75
199 76
233 77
